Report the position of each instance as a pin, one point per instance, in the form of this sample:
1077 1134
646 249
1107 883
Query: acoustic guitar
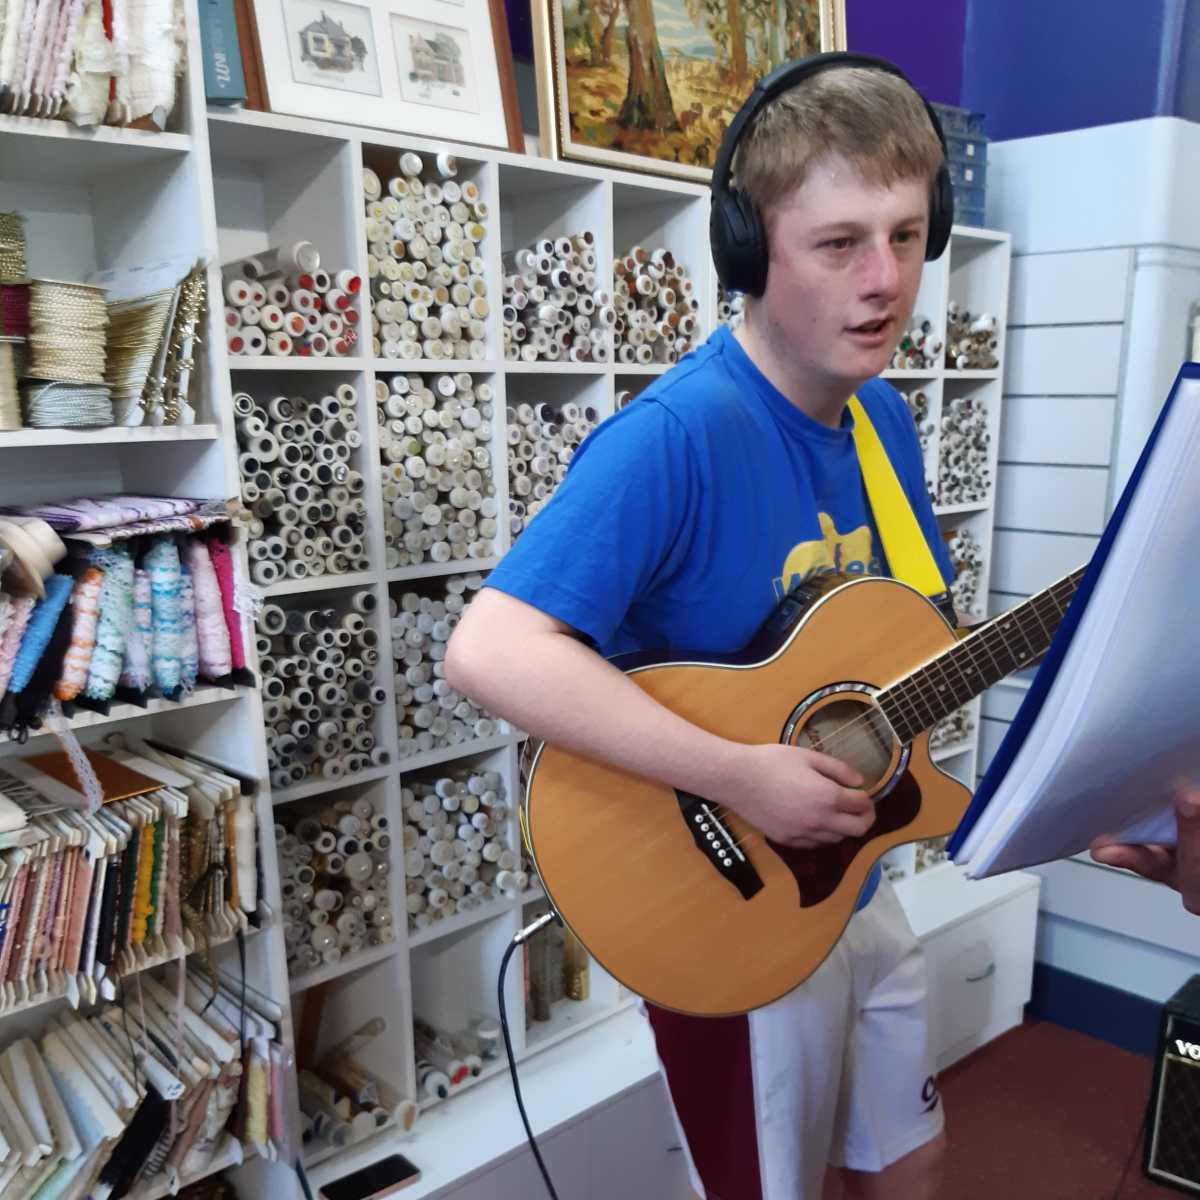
689 905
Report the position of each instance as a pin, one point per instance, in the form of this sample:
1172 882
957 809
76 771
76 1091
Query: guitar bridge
716 842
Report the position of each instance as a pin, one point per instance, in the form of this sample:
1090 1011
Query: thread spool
432 429
326 887
424 239
259 298
294 437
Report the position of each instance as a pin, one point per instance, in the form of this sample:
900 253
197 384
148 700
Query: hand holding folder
1111 722
1177 866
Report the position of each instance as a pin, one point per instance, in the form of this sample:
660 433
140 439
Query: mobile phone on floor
379 1179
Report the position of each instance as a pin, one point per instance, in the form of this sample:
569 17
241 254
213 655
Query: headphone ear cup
941 214
738 244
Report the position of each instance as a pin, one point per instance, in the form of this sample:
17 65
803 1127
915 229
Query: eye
841 243
906 236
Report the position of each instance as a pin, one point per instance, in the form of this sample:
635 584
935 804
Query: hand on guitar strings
1177 866
797 797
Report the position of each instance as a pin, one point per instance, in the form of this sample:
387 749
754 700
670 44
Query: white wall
1106 265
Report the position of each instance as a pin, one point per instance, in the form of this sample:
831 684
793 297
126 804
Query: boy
682 522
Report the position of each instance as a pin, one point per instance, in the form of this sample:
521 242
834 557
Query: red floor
1046 1114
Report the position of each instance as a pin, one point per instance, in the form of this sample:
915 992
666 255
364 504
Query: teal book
224 82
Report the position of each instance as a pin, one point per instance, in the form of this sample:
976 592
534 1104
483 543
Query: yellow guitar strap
907 551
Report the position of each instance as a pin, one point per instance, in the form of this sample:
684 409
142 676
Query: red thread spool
14 309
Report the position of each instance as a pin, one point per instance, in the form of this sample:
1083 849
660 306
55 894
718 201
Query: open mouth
872 328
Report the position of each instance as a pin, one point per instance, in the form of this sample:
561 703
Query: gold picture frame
689 76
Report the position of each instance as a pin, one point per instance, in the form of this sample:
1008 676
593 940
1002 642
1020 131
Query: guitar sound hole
853 732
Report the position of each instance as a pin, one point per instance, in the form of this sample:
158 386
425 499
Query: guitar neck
1004 645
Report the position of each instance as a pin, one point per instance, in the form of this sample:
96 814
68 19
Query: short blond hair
872 118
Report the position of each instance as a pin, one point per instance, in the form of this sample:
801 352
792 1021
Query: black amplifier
1173 1135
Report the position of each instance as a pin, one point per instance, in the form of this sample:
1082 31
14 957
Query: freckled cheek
802 307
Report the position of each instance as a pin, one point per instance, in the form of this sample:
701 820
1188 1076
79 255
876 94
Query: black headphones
735 227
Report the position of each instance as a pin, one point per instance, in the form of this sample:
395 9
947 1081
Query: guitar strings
848 733
980 638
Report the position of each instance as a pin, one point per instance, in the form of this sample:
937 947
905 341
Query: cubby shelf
431 570
320 787
235 183
320 583
294 362
21 439
460 921
449 754
202 697
344 966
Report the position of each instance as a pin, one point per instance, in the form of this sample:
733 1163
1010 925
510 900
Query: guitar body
717 920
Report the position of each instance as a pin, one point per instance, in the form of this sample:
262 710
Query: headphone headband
735 228
781 80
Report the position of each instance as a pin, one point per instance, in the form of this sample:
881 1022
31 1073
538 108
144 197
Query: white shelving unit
228 185
120 197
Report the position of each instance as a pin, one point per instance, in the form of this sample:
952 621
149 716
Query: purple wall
926 45
1035 67
519 28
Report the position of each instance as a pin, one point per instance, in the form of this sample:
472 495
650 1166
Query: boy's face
845 265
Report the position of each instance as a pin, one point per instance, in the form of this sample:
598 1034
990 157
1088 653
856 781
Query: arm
1177 866
534 671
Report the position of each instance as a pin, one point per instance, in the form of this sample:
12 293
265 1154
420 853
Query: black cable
302 1175
241 944
518 941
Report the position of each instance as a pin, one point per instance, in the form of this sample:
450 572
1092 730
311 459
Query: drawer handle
989 971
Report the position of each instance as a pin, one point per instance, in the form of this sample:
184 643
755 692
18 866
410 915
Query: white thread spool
538 454
431 428
325 912
313 691
429 712
424 239
284 289
450 881
655 307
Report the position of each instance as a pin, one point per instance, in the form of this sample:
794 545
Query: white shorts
838 1071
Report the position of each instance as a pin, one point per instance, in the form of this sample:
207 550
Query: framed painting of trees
652 84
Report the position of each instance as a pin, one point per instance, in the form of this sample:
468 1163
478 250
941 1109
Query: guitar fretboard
1006 644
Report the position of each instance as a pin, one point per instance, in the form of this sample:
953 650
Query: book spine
224 82
252 64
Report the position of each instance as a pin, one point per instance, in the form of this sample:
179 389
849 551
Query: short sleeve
617 528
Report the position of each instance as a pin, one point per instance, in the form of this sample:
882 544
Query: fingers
1151 862
851 800
835 769
852 824
1187 853
836 828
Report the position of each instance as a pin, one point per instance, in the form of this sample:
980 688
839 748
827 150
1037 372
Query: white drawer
980 972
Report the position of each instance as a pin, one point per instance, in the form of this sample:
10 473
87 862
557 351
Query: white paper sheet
1120 725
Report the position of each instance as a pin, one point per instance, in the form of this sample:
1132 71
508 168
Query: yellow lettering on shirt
845 553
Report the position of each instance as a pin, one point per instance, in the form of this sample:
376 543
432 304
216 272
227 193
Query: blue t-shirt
687 516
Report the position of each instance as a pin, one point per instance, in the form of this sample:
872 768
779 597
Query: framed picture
652 84
435 68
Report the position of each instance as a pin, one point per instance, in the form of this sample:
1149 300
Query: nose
881 271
